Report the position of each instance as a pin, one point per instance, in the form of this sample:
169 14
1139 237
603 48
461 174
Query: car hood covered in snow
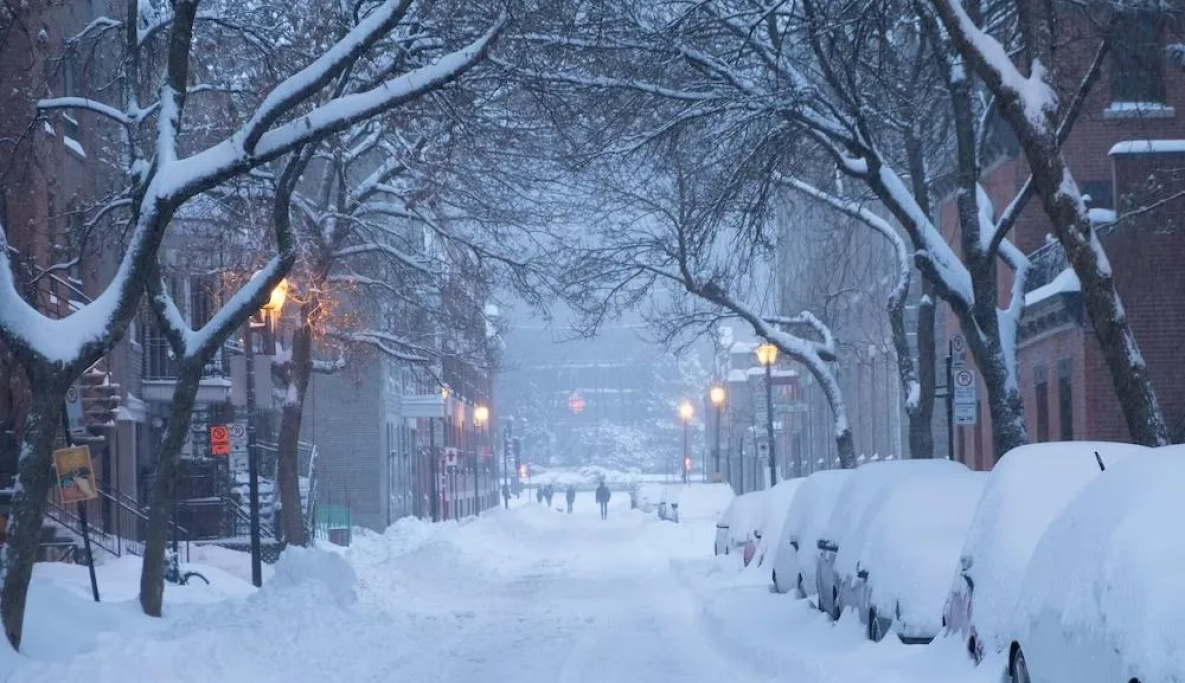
1109 567
811 508
1025 492
912 544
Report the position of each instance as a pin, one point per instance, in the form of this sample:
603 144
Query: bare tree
1026 98
162 178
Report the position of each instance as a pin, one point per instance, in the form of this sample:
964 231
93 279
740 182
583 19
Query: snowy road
526 595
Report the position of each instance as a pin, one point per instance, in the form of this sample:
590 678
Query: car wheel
1018 669
835 611
875 634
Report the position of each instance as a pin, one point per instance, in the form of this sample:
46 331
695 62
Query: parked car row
1061 562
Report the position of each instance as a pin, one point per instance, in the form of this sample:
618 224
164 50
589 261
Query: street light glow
686 410
481 415
717 395
278 296
767 354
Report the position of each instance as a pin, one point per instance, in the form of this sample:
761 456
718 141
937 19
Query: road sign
966 414
76 476
74 414
965 386
958 351
219 440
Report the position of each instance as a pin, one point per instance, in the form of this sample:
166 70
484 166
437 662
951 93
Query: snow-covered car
854 509
649 496
1101 600
777 504
796 550
741 522
897 565
1026 490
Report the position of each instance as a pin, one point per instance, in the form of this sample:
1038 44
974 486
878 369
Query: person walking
570 495
548 492
603 496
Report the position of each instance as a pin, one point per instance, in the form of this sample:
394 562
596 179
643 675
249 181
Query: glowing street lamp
481 415
767 355
686 412
718 395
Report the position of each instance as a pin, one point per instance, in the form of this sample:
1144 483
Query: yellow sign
76 477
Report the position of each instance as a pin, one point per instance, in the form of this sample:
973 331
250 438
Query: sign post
965 397
219 440
75 419
76 484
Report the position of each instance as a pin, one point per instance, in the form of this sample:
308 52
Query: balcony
160 370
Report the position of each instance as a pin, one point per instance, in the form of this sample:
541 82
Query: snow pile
913 544
704 501
1025 492
777 504
322 570
1109 566
808 514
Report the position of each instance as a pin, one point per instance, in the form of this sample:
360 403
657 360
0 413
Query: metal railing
123 530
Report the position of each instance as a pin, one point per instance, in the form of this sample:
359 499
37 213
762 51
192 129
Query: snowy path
526 595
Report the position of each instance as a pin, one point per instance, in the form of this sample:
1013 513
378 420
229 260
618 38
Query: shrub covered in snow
316 569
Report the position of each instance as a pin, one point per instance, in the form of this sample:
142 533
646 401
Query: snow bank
301 568
704 501
1025 492
813 505
913 544
1108 570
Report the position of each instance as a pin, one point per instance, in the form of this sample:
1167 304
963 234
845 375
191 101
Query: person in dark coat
570 494
603 496
548 492
539 495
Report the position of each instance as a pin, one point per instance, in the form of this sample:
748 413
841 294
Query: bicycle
173 573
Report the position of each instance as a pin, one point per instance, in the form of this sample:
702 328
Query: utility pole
769 414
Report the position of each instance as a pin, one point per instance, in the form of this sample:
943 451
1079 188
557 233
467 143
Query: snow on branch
385 250
990 59
305 83
394 346
85 104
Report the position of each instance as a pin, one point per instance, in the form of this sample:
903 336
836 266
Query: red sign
219 440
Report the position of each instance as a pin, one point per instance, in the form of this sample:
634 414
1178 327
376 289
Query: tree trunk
288 449
921 428
152 573
34 480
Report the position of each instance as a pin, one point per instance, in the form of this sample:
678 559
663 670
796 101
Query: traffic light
100 400
523 472
686 464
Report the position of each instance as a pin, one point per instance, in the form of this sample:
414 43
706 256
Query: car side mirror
794 544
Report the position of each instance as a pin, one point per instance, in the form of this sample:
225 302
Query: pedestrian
548 492
539 495
571 496
603 499
506 495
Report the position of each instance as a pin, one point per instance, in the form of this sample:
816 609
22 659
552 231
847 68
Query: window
1101 192
1137 58
1042 378
1065 400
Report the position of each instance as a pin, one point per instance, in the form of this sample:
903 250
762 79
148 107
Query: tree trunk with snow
921 428
34 480
299 370
164 485
1031 110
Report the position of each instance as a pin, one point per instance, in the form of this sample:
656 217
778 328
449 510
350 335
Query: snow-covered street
527 594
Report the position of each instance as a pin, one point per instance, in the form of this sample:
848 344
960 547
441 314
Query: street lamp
767 355
686 412
274 305
481 415
718 395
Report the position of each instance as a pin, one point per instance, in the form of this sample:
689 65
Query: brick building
1126 152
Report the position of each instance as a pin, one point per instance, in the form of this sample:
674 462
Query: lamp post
717 395
274 305
481 415
767 355
686 411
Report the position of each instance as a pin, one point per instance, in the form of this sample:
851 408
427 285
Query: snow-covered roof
1066 281
736 375
1148 147
1101 216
